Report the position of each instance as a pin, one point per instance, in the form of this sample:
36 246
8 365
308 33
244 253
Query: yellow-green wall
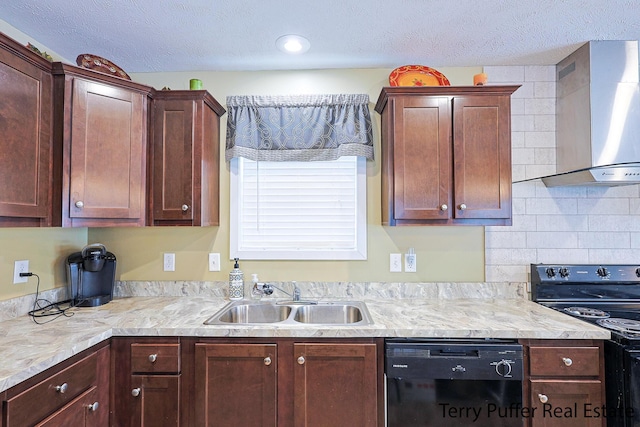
444 253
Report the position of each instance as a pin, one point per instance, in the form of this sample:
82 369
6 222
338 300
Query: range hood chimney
598 116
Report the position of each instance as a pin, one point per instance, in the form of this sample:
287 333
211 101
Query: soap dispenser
236 282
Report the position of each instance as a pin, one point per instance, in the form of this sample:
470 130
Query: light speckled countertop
27 348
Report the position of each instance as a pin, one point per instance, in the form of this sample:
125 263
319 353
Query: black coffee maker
91 276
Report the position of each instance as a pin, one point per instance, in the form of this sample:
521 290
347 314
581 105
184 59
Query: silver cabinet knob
301 360
267 361
153 358
462 206
135 392
62 388
543 398
93 407
444 207
567 361
79 204
185 208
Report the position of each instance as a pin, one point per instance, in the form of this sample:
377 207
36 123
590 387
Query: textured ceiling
195 35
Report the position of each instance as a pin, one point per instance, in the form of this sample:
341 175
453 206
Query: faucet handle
296 291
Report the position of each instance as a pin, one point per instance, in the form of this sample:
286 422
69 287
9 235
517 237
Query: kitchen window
298 176
299 210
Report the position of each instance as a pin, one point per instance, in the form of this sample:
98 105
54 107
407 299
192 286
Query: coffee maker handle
93 246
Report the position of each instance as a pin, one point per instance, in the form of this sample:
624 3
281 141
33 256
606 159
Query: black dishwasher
454 383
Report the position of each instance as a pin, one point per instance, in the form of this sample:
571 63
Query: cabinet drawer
46 397
155 358
564 361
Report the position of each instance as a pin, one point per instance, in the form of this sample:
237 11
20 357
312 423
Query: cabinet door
422 158
335 385
482 157
25 145
235 385
173 160
108 132
565 403
156 399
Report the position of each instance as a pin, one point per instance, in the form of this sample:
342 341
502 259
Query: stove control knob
638 272
551 272
602 272
564 272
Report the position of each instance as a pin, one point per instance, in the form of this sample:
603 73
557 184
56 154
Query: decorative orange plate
417 75
97 63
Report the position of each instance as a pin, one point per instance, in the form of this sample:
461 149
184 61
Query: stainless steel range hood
598 116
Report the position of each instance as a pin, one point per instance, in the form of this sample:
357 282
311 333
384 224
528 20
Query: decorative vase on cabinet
446 155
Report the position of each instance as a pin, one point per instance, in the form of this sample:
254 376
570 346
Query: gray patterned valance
298 128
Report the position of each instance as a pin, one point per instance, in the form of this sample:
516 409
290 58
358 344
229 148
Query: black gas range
608 296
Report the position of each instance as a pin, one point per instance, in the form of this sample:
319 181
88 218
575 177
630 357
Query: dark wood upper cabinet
25 144
446 155
185 158
100 135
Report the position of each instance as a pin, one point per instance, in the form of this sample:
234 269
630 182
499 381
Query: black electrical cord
56 309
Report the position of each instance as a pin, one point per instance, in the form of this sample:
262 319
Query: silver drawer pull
444 207
135 392
62 388
462 206
567 361
93 407
153 358
543 398
267 361
79 204
185 208
301 360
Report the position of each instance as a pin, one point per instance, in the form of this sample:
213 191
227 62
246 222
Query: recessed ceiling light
292 43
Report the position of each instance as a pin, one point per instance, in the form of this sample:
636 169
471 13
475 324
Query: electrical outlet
395 263
20 267
410 263
214 262
169 262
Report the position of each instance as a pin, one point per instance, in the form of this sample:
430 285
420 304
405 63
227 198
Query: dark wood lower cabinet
284 382
235 385
335 384
146 378
156 400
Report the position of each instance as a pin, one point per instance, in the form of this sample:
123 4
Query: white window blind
298 210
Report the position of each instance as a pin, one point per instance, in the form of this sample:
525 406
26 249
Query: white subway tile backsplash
540 139
540 73
562 222
544 122
562 256
604 206
545 156
544 90
540 106
499 75
555 239
604 240
614 223
613 256
548 206
570 225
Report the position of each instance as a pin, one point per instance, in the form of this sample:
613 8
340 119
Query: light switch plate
214 262
395 263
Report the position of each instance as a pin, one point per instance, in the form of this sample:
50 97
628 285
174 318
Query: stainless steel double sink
246 312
